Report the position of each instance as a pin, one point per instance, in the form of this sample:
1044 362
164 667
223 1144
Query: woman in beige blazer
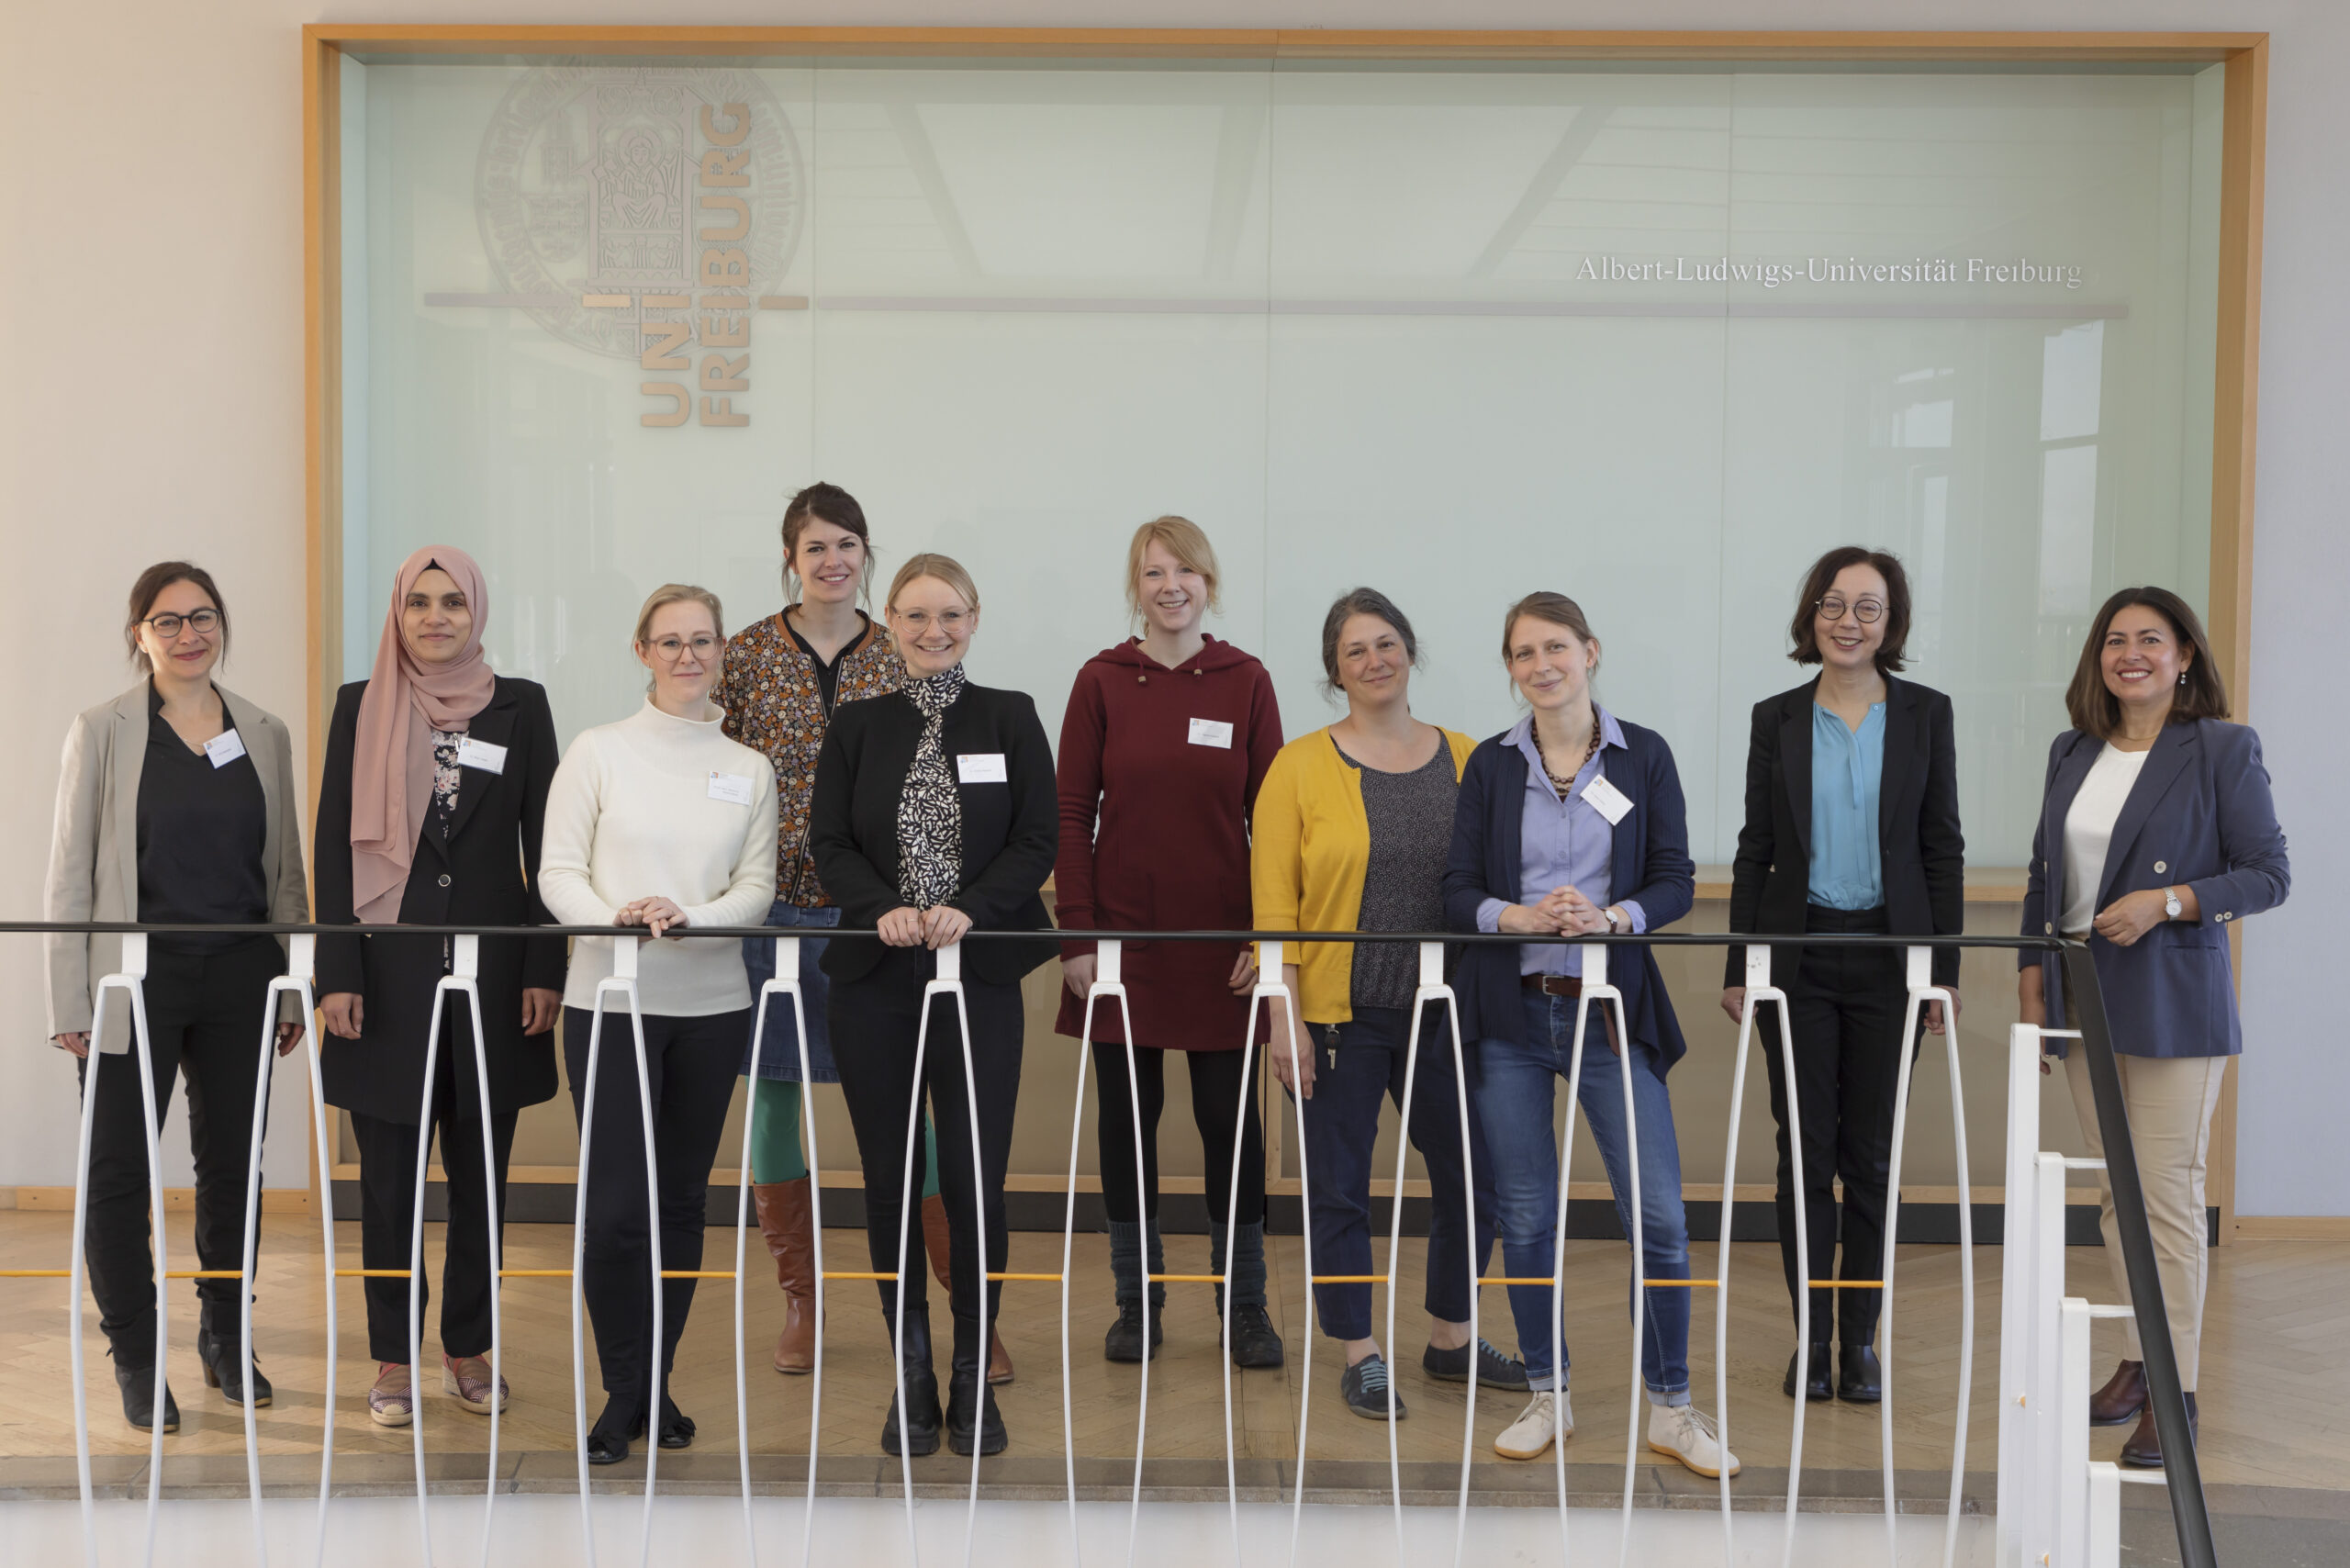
175 805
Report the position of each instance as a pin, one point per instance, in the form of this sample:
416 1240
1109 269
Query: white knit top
656 806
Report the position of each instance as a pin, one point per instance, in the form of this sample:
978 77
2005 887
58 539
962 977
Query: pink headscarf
391 769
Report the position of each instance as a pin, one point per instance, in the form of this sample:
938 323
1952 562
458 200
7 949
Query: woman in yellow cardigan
1352 828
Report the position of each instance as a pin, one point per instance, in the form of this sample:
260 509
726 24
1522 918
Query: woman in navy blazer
1572 823
2157 834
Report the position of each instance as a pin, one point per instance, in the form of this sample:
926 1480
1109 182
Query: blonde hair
945 568
1184 540
679 593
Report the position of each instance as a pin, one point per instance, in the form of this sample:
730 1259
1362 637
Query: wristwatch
2170 903
1614 920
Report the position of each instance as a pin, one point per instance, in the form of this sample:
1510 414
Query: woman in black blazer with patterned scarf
934 814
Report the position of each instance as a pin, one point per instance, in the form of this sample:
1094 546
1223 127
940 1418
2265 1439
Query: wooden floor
2275 1382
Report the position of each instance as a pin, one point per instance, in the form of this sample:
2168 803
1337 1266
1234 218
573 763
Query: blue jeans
1365 1068
1512 1086
780 1052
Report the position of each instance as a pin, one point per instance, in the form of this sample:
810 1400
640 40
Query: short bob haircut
1184 540
150 587
820 502
1804 631
2098 711
1349 604
1555 608
945 568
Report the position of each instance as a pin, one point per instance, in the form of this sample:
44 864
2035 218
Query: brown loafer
2121 1398
2144 1449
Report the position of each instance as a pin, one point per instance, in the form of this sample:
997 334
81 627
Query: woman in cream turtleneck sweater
662 821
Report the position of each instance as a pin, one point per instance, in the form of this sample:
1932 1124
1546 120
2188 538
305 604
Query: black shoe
969 1396
1124 1341
138 1385
219 1358
1366 1389
1818 1383
608 1438
1859 1379
1254 1342
922 1415
676 1426
1493 1369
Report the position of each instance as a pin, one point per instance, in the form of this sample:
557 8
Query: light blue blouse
1847 774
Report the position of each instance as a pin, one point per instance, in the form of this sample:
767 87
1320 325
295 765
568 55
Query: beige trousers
2170 1101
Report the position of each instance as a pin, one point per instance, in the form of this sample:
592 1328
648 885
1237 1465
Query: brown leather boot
2121 1398
938 1239
2144 1449
787 1222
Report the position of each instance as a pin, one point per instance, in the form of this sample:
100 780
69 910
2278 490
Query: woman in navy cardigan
2157 834
1572 823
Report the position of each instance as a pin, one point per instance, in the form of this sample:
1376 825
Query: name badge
734 789
472 752
1606 800
980 767
1211 732
225 748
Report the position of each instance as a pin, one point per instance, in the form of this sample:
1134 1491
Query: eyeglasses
917 622
1867 611
669 650
167 627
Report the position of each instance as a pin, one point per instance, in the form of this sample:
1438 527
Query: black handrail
2183 1477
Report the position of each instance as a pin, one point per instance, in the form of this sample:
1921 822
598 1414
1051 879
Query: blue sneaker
1365 1388
1493 1369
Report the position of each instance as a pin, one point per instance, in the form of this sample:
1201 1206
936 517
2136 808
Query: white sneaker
1686 1434
1546 1416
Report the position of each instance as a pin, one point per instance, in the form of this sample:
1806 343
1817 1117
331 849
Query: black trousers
1846 1006
875 1021
690 1066
1217 1096
388 1210
204 1019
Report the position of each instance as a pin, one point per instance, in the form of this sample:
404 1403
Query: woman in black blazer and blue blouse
430 808
2157 834
1851 825
934 814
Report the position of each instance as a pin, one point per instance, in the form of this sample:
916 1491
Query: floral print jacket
775 706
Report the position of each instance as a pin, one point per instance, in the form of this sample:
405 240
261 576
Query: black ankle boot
1123 1342
969 1396
921 1413
218 1354
1819 1377
138 1385
1859 1379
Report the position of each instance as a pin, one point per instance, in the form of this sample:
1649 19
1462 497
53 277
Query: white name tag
1211 732
225 748
734 789
1606 800
472 752
980 767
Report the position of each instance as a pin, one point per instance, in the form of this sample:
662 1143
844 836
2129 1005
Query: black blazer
1920 847
1011 831
488 873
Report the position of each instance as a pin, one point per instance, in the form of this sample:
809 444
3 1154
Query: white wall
152 335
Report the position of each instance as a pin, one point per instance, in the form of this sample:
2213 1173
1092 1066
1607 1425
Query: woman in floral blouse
784 676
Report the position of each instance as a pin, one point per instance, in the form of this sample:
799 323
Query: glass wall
1651 338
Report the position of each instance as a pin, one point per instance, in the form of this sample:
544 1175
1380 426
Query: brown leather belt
1553 985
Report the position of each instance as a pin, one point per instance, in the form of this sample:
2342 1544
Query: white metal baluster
1596 987
1432 979
2017 1461
1559 1288
949 982
1778 997
465 977
1922 991
1107 981
416 1275
654 1379
1269 961
1223 1265
1395 1247
910 1199
301 972
784 982
1759 990
620 982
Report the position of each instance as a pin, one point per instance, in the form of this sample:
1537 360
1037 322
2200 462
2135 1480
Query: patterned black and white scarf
930 812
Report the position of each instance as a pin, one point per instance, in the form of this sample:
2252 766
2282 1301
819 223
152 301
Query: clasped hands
1563 912
940 925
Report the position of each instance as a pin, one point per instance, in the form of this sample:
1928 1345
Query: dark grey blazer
2200 815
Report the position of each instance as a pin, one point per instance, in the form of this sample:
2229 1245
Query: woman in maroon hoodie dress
1165 739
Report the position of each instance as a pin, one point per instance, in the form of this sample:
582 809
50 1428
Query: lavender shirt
1561 843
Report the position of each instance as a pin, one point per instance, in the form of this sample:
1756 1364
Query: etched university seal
590 181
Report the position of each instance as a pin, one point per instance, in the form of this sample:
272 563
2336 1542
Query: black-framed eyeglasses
1867 611
167 627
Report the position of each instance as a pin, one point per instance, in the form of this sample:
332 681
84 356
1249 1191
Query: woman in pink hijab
430 814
